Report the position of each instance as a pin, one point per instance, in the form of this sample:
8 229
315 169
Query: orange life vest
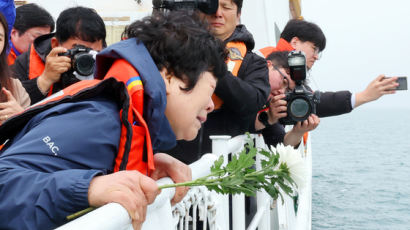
11 58
141 146
282 45
36 66
237 52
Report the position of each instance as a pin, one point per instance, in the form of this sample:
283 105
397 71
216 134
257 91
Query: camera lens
299 108
84 64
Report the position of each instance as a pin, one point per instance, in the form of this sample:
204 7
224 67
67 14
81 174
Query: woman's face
3 36
187 110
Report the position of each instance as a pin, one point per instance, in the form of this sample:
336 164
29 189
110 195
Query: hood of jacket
8 9
42 45
155 99
241 34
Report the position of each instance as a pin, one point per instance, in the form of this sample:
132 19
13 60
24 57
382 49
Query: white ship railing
210 208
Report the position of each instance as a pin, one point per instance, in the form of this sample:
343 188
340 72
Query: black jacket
334 103
20 68
243 97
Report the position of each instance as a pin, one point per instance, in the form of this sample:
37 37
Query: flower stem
80 213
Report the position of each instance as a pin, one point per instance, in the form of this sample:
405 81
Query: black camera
82 61
205 6
301 102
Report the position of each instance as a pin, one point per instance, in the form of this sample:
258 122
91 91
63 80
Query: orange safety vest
36 66
237 52
11 58
123 71
282 45
135 149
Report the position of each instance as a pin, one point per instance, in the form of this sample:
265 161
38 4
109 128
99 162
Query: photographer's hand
277 108
294 136
55 65
377 88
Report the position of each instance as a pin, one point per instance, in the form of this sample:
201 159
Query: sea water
361 170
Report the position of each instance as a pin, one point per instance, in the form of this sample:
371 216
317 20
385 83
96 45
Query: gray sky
365 38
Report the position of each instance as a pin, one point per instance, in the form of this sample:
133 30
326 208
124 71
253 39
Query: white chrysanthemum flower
294 161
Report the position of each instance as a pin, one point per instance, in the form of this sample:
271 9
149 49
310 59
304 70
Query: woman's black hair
180 42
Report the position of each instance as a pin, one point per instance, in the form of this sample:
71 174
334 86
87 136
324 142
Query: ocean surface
361 170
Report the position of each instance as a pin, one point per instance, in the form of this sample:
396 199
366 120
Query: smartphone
402 83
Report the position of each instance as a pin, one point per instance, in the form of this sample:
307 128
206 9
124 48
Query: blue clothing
8 9
45 170
155 98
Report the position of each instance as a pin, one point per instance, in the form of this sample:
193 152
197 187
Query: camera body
301 102
82 61
205 6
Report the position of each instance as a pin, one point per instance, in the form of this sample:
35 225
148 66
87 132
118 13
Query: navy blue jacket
46 168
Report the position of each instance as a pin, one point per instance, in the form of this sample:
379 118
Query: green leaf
217 164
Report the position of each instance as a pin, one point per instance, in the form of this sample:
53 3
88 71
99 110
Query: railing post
263 199
220 147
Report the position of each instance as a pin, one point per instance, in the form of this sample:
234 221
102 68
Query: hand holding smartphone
402 83
402 80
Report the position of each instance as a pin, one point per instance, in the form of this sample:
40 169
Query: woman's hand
9 108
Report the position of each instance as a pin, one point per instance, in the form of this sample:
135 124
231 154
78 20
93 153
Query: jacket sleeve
334 103
274 134
20 70
247 93
40 186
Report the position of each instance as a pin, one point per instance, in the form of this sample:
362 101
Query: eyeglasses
285 81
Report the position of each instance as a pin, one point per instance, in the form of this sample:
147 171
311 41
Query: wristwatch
263 118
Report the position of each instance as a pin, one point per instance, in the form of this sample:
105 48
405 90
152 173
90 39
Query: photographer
243 90
41 69
281 82
308 37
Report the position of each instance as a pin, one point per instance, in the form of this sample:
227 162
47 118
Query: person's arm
294 136
20 70
376 88
334 103
274 134
248 92
38 87
54 66
46 169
